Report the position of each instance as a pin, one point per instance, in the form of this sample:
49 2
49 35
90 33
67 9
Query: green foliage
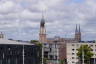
87 53
36 42
61 61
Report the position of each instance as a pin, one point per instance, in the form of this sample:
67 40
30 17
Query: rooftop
5 41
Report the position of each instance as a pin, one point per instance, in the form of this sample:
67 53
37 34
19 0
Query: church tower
78 34
42 34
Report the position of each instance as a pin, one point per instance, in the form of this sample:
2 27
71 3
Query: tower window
72 44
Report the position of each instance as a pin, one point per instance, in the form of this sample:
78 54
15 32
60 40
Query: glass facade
19 54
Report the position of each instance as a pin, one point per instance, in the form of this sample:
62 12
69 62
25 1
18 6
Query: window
73 49
73 53
91 45
73 62
72 44
51 57
72 57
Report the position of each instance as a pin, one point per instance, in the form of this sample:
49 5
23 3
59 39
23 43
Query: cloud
23 17
7 6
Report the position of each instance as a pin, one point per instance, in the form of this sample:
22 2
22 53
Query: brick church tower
42 34
78 34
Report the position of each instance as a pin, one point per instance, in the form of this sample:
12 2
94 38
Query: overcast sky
20 19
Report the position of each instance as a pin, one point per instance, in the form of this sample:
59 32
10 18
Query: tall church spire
78 33
76 30
42 34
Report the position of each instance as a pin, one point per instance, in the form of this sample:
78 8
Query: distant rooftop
5 41
88 41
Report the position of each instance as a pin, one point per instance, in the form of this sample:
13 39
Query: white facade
71 51
53 52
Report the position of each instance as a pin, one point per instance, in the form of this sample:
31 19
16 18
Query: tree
64 61
38 44
61 61
87 53
34 41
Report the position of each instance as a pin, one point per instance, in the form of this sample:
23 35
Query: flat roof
5 41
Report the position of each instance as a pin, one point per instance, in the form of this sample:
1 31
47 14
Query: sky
20 19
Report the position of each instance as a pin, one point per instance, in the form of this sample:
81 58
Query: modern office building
12 52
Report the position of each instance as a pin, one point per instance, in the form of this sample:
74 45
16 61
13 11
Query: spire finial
42 14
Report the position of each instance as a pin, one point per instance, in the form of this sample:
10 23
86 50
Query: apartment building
71 51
